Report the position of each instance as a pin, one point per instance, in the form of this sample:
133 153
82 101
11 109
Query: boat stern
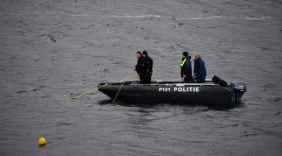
239 89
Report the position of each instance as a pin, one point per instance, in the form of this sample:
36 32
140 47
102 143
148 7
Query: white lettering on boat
165 89
180 89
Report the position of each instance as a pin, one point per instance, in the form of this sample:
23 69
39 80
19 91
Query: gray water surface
52 50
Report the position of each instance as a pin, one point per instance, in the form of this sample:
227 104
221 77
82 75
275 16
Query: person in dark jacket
186 68
148 67
139 68
199 69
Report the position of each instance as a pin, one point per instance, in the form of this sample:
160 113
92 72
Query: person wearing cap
148 68
140 66
186 68
199 69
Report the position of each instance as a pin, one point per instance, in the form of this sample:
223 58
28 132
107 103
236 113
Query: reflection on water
170 104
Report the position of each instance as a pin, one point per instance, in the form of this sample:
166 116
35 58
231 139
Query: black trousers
145 79
188 79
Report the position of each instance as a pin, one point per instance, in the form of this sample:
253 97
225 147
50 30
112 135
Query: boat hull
180 93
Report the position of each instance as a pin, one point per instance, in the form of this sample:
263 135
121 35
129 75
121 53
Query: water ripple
141 16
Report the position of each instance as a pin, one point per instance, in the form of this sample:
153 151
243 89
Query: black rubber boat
174 91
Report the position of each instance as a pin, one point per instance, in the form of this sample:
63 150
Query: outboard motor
239 89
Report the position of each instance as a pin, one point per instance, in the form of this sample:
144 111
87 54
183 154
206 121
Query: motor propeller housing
239 89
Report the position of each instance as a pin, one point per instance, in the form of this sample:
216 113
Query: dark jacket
140 65
148 65
200 69
186 69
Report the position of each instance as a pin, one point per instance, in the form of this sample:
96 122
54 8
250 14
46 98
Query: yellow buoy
41 141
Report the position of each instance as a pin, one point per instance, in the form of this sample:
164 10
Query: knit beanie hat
185 53
145 53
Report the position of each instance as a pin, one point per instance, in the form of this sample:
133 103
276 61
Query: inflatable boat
208 93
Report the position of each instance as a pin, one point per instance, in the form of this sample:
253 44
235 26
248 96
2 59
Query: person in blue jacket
199 69
186 68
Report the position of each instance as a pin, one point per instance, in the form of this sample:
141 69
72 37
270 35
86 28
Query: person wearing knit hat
145 53
186 68
148 66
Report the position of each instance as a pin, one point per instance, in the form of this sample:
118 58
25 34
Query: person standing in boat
186 68
148 68
139 68
199 69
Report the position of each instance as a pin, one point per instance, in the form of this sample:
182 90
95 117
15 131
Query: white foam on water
260 18
202 18
121 16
